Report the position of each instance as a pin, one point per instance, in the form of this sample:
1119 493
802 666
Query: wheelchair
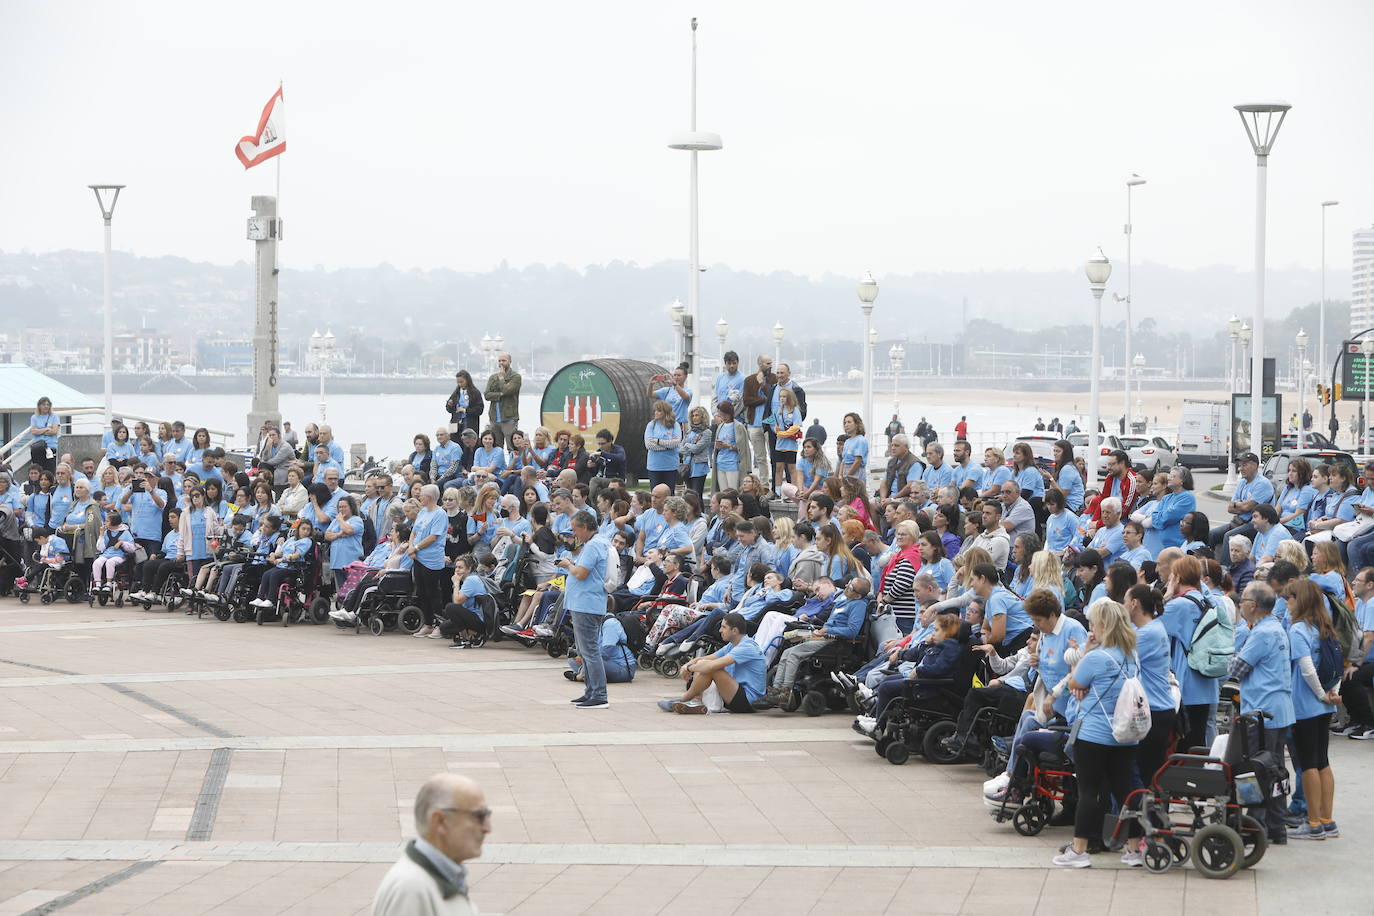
815 691
1051 773
301 595
387 602
909 722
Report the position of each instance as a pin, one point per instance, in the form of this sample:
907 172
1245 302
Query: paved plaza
153 763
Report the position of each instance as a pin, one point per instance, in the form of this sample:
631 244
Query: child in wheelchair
114 547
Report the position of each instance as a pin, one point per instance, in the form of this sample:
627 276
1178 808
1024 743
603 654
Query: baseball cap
1247 456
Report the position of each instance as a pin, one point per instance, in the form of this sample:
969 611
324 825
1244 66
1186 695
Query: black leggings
155 573
658 477
1153 749
1192 727
429 591
459 620
1102 771
1355 692
1311 742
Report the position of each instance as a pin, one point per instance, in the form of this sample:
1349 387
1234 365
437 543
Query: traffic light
1321 395
1338 391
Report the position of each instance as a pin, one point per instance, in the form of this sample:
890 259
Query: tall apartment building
1362 281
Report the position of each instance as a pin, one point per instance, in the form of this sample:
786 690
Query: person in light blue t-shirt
674 390
584 597
737 672
1314 703
854 452
44 427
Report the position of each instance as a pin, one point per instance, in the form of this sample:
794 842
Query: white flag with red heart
270 140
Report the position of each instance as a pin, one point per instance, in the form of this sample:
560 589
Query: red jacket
1127 488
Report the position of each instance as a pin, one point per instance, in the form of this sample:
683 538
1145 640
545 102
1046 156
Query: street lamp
722 328
694 141
778 332
1321 322
675 313
1302 385
322 352
1233 325
485 345
1139 363
1131 183
897 354
1246 377
1262 122
868 292
107 213
1099 270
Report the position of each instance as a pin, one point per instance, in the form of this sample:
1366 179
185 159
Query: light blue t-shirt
588 596
1052 666
662 459
1152 648
1269 685
1137 556
347 549
43 421
1003 602
747 666
651 525
1061 530
993 477
1103 671
676 401
1109 539
431 521
1296 499
471 589
494 457
444 458
1267 542
810 475
1031 479
1173 507
727 459
1302 643
784 419
935 478
730 388
1260 490
1071 482
855 447
1180 619
943 571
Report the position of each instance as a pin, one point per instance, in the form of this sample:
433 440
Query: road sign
1355 370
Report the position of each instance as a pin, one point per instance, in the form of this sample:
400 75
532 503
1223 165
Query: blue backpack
1330 663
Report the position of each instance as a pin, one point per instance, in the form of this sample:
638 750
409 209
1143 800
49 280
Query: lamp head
1134 180
778 331
1099 270
1233 325
1302 339
868 289
1368 346
1245 333
722 328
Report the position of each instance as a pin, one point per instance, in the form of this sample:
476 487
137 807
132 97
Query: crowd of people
766 544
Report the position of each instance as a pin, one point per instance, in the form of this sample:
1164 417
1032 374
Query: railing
86 421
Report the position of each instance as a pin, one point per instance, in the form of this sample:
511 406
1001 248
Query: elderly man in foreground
452 820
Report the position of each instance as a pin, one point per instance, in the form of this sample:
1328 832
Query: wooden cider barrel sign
588 396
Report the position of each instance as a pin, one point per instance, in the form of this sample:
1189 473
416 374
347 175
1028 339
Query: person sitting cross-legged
844 622
736 673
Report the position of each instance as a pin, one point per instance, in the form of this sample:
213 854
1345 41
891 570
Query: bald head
1165 560
451 815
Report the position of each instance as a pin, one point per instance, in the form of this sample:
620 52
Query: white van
1204 433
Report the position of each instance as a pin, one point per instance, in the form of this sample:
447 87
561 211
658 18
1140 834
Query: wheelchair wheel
1253 840
992 763
24 598
1217 851
557 647
239 615
222 611
880 746
933 743
851 700
119 600
319 610
411 619
646 660
261 615
1178 847
1030 818
1158 858
72 590
669 667
813 703
375 625
897 753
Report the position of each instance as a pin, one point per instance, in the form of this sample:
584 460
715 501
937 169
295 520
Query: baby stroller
1197 805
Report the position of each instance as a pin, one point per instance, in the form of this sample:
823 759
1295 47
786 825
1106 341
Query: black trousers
1355 692
1192 727
1008 700
1102 771
460 619
429 591
1153 750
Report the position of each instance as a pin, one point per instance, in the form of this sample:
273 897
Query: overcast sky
895 137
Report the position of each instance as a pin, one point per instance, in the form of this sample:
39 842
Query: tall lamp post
868 292
1131 183
675 313
1099 270
107 214
1242 376
1139 364
1262 121
897 355
485 344
778 332
1233 326
322 352
1321 321
1367 346
694 141
1302 385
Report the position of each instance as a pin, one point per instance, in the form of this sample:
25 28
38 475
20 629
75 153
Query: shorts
1311 740
739 702
788 457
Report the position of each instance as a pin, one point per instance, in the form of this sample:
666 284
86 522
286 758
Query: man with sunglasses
452 820
844 622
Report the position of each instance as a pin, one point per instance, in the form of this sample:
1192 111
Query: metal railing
80 421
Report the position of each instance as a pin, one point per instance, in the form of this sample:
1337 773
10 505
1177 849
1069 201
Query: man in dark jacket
503 392
757 389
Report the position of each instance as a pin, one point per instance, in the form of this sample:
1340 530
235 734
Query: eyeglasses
482 814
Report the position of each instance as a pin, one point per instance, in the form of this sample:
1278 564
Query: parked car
1106 443
1041 446
1149 453
1314 440
1204 433
1276 467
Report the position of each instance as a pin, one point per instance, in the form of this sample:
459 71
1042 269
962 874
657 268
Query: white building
1362 282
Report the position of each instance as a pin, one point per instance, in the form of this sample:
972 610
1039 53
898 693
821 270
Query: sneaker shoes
423 632
996 783
666 705
1348 730
1133 858
435 634
542 630
510 630
528 633
1002 744
1307 831
685 709
865 692
1070 859
865 725
1362 734
604 704
460 644
1331 830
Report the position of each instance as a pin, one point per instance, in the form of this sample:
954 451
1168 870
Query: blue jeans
587 632
617 671
1361 551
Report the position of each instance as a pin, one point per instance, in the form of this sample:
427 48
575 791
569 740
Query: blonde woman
1046 572
485 516
788 432
995 473
1103 765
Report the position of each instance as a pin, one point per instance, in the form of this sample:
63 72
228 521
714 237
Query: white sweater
410 890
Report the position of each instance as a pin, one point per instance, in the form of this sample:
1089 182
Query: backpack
1131 717
635 634
615 571
369 536
1214 640
1348 629
1330 661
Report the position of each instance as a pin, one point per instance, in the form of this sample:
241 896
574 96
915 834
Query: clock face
257 228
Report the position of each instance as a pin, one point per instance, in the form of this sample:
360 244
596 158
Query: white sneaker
866 724
996 783
1133 858
1070 859
865 691
139 595
423 632
663 649
542 630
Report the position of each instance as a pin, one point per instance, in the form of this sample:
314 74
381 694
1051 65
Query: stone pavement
152 763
